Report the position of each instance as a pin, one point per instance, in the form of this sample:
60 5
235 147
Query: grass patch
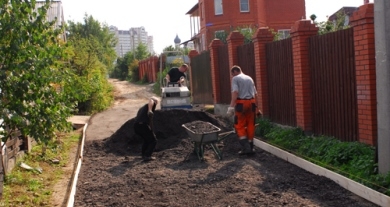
30 187
354 160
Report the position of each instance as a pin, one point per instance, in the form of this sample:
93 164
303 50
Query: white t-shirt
244 85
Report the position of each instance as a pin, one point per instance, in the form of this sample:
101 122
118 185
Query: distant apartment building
139 35
128 40
124 41
150 45
211 19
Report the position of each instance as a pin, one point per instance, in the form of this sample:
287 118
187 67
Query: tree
31 74
142 52
91 57
313 17
245 30
176 51
127 67
169 48
121 69
222 35
186 50
177 62
93 30
325 27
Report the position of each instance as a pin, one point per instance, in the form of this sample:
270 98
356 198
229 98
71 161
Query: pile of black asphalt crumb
167 125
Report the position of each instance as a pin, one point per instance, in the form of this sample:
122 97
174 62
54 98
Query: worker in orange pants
244 120
243 105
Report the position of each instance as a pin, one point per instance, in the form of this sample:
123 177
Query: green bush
354 160
144 79
90 56
133 74
160 76
265 127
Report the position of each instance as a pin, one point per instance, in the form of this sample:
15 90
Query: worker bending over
177 75
143 126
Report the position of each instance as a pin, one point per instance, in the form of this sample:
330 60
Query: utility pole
133 45
133 33
382 53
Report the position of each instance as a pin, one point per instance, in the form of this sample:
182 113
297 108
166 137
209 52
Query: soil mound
168 128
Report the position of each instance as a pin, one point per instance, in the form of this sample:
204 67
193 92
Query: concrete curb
353 186
75 176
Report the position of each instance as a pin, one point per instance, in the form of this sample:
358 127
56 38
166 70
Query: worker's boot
252 150
148 158
246 148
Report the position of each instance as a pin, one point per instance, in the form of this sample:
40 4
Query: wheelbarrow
204 133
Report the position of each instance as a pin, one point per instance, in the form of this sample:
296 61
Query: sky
164 19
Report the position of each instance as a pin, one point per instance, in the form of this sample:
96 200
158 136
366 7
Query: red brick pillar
362 22
300 33
234 40
213 48
260 38
191 54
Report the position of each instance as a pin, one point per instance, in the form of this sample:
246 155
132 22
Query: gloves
259 113
230 111
150 114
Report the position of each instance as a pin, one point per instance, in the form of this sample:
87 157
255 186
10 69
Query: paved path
128 99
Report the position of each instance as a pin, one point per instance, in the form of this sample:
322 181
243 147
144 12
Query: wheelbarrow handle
223 135
226 133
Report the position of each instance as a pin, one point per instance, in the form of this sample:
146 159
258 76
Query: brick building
215 18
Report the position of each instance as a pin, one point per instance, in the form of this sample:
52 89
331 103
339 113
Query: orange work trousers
244 119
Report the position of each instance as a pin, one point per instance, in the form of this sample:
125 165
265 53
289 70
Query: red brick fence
322 84
358 119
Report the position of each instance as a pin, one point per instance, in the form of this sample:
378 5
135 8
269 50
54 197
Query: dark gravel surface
113 173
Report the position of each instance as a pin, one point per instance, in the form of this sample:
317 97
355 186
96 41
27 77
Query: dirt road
128 99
